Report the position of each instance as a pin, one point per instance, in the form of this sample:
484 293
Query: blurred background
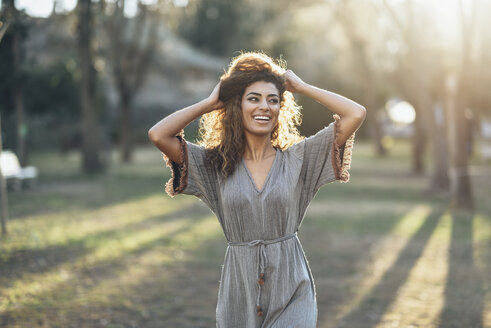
90 239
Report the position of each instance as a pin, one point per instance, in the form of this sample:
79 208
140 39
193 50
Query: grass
115 251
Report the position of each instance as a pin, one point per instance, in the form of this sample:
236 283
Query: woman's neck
257 148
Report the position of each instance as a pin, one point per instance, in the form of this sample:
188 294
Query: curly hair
221 131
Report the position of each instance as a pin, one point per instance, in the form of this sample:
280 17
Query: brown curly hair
221 131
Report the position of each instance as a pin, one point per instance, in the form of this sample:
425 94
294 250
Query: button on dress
265 280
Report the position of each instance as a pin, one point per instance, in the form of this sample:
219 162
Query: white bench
12 170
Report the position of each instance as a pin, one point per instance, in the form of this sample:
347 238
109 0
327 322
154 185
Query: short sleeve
193 176
323 161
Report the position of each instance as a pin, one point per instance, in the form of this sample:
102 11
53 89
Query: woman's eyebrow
258 94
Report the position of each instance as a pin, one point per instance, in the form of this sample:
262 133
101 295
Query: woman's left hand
293 82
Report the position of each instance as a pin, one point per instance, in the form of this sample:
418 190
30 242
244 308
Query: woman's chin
266 133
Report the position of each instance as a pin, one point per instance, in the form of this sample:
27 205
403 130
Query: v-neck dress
265 280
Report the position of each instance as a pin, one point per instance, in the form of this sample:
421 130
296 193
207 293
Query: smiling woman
260 108
258 175
253 85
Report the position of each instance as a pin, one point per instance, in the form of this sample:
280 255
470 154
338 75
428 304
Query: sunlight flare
401 112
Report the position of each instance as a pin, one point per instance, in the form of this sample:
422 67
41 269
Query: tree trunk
92 162
460 187
125 129
21 126
130 59
376 133
433 122
458 100
9 5
19 101
4 214
418 144
375 130
439 180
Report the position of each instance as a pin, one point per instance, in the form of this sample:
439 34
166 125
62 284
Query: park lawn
116 251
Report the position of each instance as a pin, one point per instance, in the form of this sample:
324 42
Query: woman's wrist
210 104
206 105
304 88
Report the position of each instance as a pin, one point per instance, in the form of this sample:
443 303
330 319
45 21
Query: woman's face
260 108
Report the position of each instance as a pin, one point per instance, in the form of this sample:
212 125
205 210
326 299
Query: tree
3 186
458 90
410 75
92 162
131 44
214 25
359 39
418 75
13 46
4 214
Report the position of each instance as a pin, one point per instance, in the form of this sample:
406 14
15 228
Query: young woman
258 175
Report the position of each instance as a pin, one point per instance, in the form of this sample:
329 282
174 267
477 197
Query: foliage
53 90
213 26
49 91
19 26
51 100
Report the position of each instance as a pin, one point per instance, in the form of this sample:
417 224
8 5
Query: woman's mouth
262 118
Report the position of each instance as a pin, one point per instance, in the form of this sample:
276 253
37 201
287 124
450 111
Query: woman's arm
351 113
163 134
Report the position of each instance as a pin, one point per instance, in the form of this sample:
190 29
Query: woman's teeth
262 118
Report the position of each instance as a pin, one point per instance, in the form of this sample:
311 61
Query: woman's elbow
361 113
152 135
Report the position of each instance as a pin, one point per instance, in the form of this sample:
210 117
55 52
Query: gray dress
266 280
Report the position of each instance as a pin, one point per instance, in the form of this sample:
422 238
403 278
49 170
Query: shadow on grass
189 298
381 193
346 248
39 260
84 194
464 292
371 309
45 303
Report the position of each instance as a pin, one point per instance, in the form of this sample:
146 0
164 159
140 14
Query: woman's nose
264 104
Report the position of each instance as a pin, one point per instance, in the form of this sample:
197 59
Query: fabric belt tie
262 260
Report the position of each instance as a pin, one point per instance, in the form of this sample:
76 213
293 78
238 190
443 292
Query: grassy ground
115 251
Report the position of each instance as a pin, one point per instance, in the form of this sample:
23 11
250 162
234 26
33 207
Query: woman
258 175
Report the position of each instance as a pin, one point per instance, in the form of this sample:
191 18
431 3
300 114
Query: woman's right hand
213 100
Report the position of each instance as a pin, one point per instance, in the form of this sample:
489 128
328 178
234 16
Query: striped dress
265 280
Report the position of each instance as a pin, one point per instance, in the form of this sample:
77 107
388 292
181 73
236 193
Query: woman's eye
272 101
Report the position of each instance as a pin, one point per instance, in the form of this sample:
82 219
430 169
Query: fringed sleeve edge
341 156
179 179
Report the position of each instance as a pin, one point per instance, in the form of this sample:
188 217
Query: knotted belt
262 260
